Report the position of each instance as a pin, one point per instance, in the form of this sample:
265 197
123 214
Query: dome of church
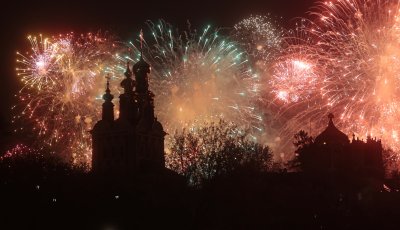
102 126
135 141
141 65
332 135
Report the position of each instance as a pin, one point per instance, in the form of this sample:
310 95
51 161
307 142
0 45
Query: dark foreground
240 201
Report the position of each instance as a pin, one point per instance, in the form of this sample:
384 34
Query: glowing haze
196 77
349 65
63 79
344 59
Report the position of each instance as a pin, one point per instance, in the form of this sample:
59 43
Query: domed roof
141 65
102 127
332 135
128 83
108 96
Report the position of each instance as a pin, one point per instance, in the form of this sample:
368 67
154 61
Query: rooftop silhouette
134 142
337 159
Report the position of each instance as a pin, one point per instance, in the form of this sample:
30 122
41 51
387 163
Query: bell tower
128 104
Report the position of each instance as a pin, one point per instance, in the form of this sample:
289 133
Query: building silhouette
134 142
337 159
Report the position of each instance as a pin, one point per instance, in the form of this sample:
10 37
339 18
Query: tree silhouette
215 149
302 142
24 165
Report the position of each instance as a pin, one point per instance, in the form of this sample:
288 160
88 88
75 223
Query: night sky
123 18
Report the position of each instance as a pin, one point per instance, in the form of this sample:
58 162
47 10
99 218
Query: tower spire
108 84
128 72
108 106
331 116
128 83
128 107
145 97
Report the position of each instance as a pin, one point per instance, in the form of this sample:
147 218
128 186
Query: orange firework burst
63 78
355 46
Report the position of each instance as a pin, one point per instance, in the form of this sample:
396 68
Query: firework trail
349 65
17 150
261 37
62 83
264 40
198 77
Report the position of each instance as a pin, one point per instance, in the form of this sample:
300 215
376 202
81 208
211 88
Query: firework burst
261 37
198 77
355 47
62 80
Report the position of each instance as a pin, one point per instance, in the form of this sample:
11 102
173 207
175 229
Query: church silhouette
335 158
133 143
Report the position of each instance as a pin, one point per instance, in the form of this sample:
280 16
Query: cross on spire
108 82
108 96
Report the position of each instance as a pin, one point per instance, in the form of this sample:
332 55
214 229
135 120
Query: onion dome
141 66
108 96
128 83
332 135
